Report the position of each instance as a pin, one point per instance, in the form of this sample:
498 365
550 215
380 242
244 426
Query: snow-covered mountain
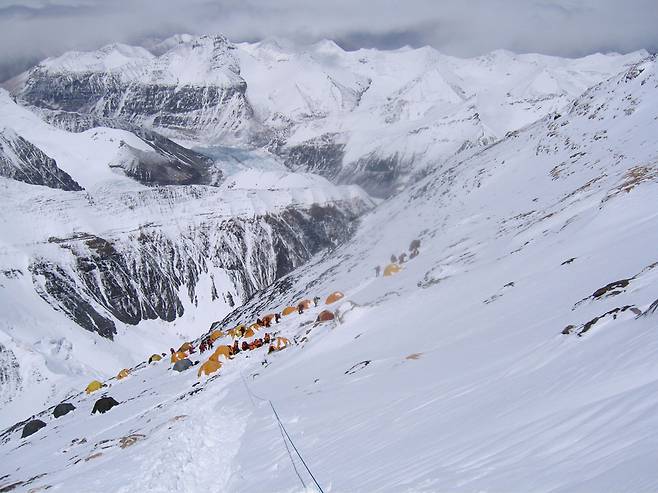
368 117
516 352
89 250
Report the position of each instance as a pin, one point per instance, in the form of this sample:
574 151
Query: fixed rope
284 435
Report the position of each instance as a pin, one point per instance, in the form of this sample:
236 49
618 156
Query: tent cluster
180 359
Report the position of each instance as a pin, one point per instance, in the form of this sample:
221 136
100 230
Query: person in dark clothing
267 321
277 317
316 300
300 308
245 346
402 257
377 270
266 339
236 347
259 322
394 259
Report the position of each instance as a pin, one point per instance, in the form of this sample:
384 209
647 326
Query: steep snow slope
368 117
134 264
515 353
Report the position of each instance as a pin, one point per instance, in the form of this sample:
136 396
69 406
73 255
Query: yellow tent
288 310
93 386
249 332
392 269
209 367
178 356
185 347
123 374
218 334
154 357
334 297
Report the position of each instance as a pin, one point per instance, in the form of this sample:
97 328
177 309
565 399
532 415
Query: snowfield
517 352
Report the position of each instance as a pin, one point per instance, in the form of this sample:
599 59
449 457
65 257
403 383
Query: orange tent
123 374
178 356
221 351
218 334
306 304
392 269
209 367
334 297
325 316
281 343
185 347
268 318
288 310
250 332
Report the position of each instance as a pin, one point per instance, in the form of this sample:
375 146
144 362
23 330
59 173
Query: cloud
33 29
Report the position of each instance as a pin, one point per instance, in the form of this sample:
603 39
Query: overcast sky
34 29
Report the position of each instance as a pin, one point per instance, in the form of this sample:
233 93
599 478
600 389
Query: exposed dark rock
23 161
322 155
57 288
140 277
168 163
609 289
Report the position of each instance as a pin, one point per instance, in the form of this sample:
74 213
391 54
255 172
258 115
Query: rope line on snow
284 434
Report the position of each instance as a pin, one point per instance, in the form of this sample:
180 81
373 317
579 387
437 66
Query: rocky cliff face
23 161
148 90
144 275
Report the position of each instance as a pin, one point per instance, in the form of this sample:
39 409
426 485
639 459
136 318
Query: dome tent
104 404
31 427
334 297
62 409
182 365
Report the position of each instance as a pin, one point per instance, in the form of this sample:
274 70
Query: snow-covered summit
375 117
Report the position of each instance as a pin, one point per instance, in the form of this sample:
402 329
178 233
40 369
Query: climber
277 317
259 322
266 339
394 259
413 254
402 257
203 347
259 343
267 321
300 308
316 300
377 270
245 346
236 347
